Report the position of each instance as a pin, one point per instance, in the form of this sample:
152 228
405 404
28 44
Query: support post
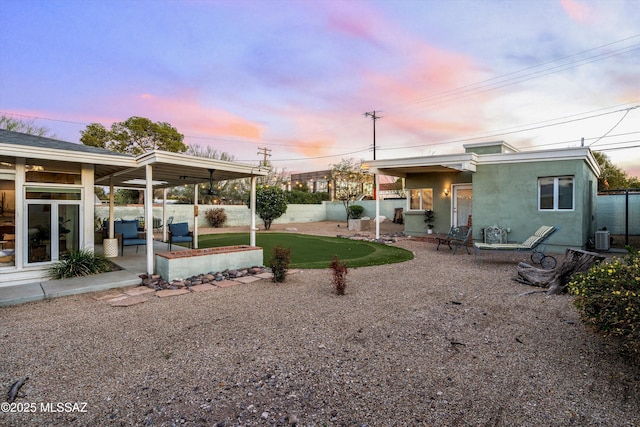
252 206
377 187
111 203
195 215
148 217
164 214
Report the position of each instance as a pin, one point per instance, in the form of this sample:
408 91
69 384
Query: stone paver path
140 294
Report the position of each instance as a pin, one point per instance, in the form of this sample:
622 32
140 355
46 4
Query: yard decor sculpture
557 279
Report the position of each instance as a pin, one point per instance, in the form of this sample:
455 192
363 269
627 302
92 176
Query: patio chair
538 239
179 233
127 234
457 236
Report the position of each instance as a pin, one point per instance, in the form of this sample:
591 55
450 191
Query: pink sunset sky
297 76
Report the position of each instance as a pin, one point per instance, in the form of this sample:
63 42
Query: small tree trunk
556 280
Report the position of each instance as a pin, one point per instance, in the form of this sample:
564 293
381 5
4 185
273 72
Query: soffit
174 169
431 164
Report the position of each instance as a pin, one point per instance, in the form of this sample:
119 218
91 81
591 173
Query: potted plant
355 215
429 218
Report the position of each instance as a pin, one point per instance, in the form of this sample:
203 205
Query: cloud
185 112
577 11
356 20
314 148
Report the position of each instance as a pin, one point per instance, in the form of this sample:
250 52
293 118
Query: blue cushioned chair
179 233
127 235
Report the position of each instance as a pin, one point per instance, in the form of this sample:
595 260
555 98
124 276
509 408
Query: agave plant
79 263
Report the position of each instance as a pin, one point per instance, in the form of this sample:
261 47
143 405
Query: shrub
216 217
339 279
271 203
79 263
608 298
279 263
355 211
429 218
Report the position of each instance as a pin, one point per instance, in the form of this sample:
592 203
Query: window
421 199
555 193
7 219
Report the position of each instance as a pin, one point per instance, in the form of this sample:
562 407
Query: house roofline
469 161
575 153
64 155
159 156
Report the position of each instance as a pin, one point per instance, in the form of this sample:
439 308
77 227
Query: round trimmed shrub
216 217
355 211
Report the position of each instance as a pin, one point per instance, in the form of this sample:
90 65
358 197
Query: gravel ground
440 340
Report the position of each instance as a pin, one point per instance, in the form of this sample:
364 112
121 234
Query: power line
501 81
506 133
315 157
614 126
620 148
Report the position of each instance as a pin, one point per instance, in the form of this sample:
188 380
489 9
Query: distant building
321 182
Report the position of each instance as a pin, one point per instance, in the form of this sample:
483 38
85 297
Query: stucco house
47 196
496 184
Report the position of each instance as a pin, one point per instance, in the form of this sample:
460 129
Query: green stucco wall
507 195
414 220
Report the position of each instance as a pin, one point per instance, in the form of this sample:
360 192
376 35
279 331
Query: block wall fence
239 215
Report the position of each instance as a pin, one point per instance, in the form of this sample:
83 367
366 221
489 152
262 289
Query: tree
350 180
24 126
136 136
612 177
125 196
271 203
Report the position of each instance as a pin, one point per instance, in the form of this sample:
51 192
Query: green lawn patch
309 251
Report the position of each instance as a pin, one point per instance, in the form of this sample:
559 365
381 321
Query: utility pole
266 152
374 117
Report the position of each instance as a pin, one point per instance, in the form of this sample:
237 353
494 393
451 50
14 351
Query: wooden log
556 280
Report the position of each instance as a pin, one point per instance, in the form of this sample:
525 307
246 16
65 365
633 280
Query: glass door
68 228
53 229
462 204
39 232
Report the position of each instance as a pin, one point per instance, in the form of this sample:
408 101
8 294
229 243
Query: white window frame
424 204
556 194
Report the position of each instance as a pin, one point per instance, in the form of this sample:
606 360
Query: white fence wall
337 212
610 213
239 215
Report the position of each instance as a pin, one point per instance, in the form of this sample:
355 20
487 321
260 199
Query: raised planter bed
180 264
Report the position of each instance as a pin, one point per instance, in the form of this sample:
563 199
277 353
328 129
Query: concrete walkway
133 265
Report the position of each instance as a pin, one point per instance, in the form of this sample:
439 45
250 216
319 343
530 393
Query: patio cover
162 169
414 165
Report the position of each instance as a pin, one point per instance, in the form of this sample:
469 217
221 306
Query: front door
462 203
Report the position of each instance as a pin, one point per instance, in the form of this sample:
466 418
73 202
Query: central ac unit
602 240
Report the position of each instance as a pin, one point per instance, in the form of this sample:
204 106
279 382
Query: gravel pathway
440 340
